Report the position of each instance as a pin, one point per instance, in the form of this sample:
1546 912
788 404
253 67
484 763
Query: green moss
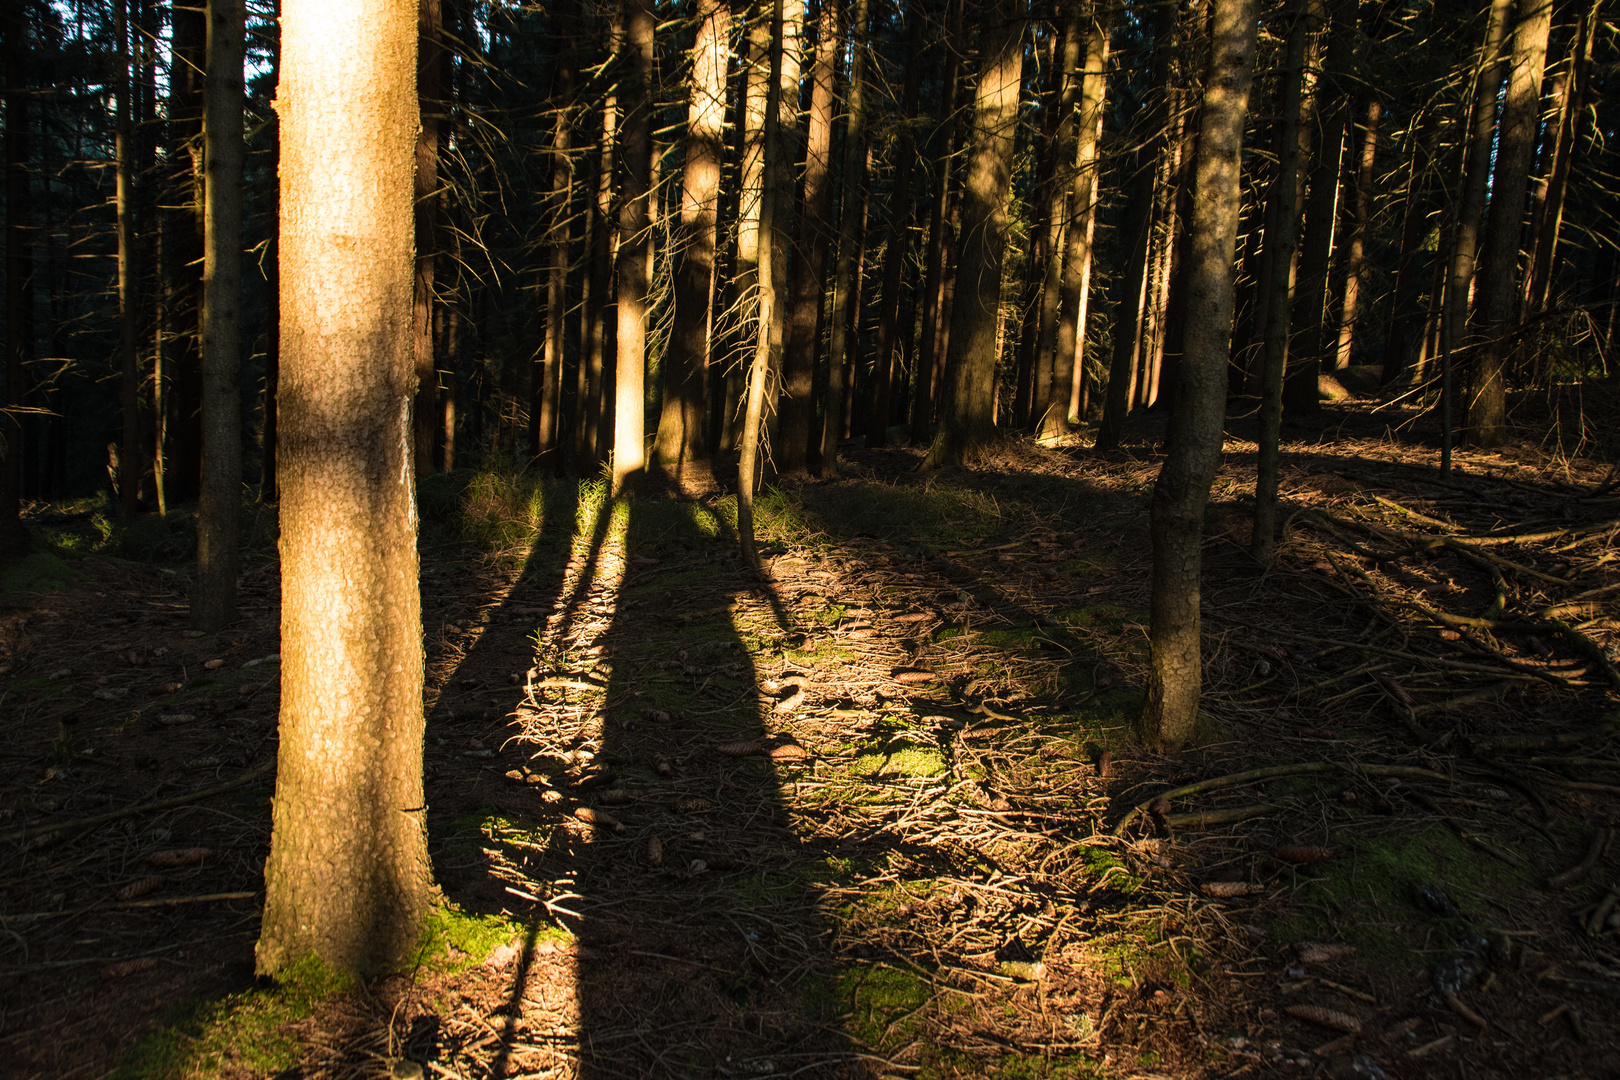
1116 708
453 940
1009 639
883 1004
1110 871
1369 895
901 760
242 1032
1090 562
1109 618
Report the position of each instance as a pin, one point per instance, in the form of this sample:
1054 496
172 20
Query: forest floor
873 812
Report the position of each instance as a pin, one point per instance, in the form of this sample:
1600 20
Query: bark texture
219 507
348 877
635 244
967 421
1179 496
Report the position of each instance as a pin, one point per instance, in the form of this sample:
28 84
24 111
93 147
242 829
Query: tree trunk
1279 290
1475 181
219 509
1417 196
680 443
594 401
1549 210
1194 437
930 352
846 283
431 60
759 366
129 393
635 240
1062 221
1355 252
348 878
810 261
184 248
19 280
545 409
1499 281
1148 134
1327 110
968 419
1068 364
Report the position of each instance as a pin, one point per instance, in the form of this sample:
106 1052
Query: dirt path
858 817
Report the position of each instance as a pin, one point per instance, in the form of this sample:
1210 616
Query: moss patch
241 1032
38 572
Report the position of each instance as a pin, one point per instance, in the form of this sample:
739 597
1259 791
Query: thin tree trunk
219 509
680 443
431 58
1063 220
930 353
1279 290
1148 133
1549 210
348 879
894 259
810 262
129 395
1499 280
1417 196
759 366
846 283
1194 437
189 36
635 239
19 280
1328 111
1474 182
1355 253
545 410
968 418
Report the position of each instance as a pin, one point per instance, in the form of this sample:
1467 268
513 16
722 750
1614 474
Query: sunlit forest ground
880 811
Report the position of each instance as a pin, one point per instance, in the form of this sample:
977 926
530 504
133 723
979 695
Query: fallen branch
1203 819
1600 840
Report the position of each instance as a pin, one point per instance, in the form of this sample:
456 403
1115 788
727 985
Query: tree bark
1279 290
1499 280
810 258
759 367
129 393
184 250
846 282
545 411
680 444
19 279
1194 437
967 422
1417 196
930 353
1062 220
1355 252
1327 111
635 240
219 508
431 58
348 879
1549 210
1148 134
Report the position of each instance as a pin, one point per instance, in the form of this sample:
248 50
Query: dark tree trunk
967 421
1356 250
184 249
894 264
19 278
1194 437
431 61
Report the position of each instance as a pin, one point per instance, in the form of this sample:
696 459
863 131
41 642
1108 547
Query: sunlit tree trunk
680 440
219 509
1325 119
1510 182
348 879
967 420
748 463
1061 222
1069 362
597 327
804 301
1194 437
846 281
1570 97
1279 290
1356 250
1148 134
635 240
